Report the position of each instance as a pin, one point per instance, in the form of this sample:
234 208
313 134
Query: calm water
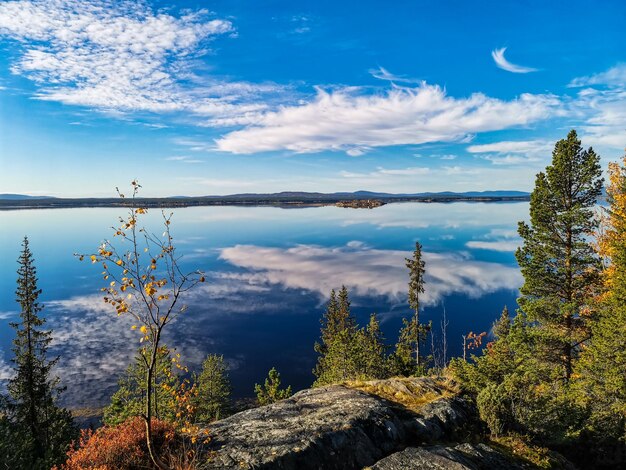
269 272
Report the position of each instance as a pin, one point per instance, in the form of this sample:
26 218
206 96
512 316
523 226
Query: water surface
269 272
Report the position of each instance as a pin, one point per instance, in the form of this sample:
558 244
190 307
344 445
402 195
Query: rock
335 427
460 457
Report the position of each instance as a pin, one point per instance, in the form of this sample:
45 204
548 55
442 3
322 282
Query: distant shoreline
286 202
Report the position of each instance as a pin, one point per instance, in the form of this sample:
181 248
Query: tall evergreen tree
338 346
416 267
557 260
601 371
213 400
31 405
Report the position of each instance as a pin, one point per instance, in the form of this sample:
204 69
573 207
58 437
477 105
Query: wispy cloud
513 152
383 74
497 240
615 76
501 62
122 56
183 159
345 119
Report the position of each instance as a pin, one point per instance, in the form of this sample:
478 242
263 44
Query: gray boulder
338 427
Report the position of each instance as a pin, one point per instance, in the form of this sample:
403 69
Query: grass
519 448
410 392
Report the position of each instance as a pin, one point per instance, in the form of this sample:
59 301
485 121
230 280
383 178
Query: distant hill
19 197
301 195
282 199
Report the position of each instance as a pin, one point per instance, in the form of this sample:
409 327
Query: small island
361 203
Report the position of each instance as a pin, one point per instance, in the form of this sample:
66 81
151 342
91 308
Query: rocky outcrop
341 427
459 457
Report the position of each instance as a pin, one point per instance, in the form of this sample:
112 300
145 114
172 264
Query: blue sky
235 96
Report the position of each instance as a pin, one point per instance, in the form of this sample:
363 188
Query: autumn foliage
121 447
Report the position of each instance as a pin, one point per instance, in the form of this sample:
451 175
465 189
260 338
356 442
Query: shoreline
286 203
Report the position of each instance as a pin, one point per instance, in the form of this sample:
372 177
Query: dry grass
519 447
410 392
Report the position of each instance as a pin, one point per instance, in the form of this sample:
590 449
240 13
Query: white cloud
6 314
383 74
615 76
183 159
514 152
344 119
501 62
369 271
504 240
605 117
500 245
380 171
122 56
525 147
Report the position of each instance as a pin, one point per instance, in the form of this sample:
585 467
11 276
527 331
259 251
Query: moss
409 392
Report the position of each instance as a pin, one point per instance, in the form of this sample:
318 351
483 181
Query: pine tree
601 371
213 400
557 261
128 400
338 348
502 326
271 392
416 267
31 407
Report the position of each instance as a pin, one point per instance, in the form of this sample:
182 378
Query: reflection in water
269 272
368 271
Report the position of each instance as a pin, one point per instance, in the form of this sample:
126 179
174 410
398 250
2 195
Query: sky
230 96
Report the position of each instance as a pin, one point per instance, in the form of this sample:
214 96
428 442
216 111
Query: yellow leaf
144 329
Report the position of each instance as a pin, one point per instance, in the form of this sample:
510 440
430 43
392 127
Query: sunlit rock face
341 427
458 457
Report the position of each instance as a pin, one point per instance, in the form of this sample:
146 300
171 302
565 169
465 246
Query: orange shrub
121 447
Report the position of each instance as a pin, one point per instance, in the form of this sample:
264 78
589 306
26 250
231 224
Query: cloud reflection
369 271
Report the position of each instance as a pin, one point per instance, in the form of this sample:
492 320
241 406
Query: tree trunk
417 338
148 416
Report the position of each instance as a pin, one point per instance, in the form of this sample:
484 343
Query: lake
269 272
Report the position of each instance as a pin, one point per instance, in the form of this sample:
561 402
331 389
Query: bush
121 447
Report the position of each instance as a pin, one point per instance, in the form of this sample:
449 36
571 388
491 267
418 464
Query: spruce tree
402 361
33 392
416 267
213 400
373 350
557 260
338 347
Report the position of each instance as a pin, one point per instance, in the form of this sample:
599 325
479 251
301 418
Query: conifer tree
338 348
373 350
557 260
270 391
601 372
31 406
416 267
213 400
128 400
402 361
